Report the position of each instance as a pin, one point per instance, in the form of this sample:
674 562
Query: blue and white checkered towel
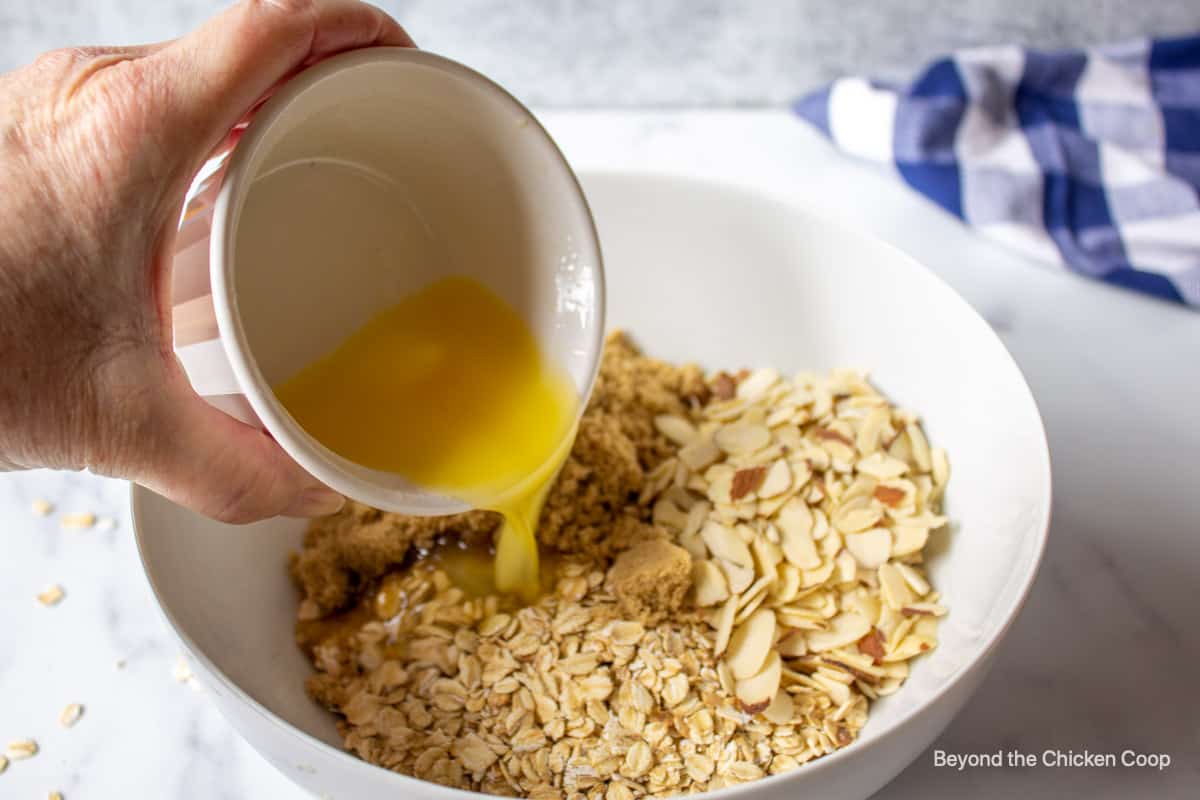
1087 159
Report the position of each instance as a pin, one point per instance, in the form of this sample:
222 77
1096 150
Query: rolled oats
70 715
51 595
21 749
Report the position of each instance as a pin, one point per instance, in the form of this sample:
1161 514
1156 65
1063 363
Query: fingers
213 464
219 71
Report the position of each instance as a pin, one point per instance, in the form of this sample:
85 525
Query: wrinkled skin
97 148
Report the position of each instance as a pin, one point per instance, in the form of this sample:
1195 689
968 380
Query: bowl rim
311 454
968 667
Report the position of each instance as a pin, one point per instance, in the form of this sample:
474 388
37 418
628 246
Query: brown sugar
344 552
650 580
591 510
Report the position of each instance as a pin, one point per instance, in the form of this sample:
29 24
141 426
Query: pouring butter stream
450 389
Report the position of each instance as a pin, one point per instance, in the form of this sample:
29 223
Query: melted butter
450 389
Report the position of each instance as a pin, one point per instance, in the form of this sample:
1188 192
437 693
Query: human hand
97 149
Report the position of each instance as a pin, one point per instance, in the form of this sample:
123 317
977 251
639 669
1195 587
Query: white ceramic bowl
731 278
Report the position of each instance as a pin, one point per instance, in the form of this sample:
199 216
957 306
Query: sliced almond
694 545
869 433
856 514
746 481
838 692
881 466
750 643
908 539
870 548
863 602
940 466
753 591
696 516
895 591
770 506
910 647
924 610
890 495
777 480
796 616
723 542
820 525
872 645
920 447
699 453
668 514
787 583
750 602
742 437
780 416
794 644
677 429
725 411
789 436
724 387
725 678
756 693
738 577
844 629
658 480
795 523
757 383
815 577
720 483
767 555
782 710
914 580
847 567
724 626
709 586
682 498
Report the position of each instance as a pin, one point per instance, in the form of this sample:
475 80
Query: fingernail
316 502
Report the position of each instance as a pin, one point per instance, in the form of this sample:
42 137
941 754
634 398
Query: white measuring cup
361 180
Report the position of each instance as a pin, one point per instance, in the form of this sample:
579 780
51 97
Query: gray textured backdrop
654 52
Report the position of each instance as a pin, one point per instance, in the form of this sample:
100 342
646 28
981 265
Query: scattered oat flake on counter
3 764
70 715
106 523
182 670
52 596
56 796
21 749
41 507
80 520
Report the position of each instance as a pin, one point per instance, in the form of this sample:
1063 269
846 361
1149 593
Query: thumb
210 462
219 71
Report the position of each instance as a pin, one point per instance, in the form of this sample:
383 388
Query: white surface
1102 658
818 297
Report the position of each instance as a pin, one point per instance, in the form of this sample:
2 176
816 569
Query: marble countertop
1102 658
